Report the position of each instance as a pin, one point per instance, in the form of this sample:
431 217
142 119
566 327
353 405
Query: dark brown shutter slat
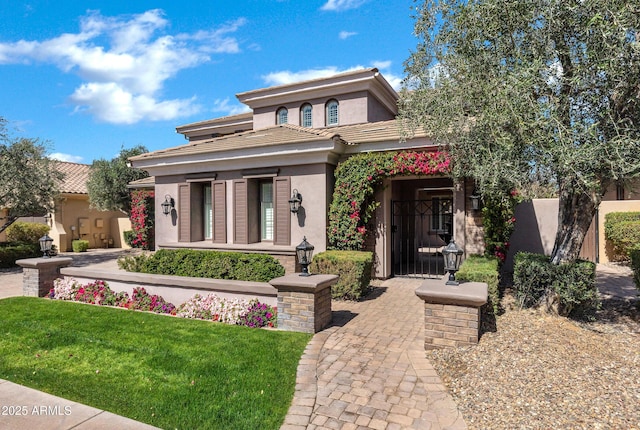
184 209
282 216
219 190
240 212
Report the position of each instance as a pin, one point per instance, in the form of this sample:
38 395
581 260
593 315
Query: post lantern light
45 245
452 258
304 251
167 205
294 201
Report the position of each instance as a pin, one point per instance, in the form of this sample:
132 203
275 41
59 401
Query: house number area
14 410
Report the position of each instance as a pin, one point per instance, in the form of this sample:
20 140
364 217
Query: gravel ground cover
537 371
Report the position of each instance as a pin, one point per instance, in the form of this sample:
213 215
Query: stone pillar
38 274
304 302
452 312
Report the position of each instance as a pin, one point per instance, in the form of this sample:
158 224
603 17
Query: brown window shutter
219 190
282 214
240 212
184 212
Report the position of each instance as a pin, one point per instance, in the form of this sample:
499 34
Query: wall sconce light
294 201
45 245
168 204
475 200
452 259
305 253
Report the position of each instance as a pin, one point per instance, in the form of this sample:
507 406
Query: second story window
282 116
332 112
305 115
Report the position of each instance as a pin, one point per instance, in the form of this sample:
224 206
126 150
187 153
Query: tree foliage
108 180
29 181
531 91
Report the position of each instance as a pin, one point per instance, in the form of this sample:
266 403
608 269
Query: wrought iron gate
420 228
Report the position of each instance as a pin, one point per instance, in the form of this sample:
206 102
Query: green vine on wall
499 222
357 177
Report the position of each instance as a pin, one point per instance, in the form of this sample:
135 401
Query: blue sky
93 77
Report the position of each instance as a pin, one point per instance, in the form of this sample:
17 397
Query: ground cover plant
168 372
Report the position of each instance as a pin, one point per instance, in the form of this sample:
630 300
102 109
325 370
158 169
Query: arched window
305 115
332 112
282 116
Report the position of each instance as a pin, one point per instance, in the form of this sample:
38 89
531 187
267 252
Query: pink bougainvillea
142 218
356 180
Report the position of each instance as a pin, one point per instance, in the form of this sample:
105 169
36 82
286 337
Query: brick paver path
369 370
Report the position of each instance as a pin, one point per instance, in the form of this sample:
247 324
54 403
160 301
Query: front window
442 218
305 116
282 116
332 112
266 210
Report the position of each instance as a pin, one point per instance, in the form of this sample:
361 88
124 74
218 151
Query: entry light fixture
475 200
304 251
45 245
452 259
168 204
294 201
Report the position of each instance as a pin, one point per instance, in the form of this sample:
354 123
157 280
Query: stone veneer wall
450 325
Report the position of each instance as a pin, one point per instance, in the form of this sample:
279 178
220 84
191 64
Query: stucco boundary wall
175 289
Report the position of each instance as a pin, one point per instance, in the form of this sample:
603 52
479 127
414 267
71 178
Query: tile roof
286 134
75 177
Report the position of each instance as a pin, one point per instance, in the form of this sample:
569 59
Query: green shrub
622 229
80 245
569 288
353 267
26 232
635 265
206 264
10 252
477 268
129 235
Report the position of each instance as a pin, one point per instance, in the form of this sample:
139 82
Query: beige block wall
605 250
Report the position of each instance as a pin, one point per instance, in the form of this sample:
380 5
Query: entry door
419 231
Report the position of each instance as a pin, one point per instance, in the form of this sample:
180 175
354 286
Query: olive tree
535 89
108 180
29 180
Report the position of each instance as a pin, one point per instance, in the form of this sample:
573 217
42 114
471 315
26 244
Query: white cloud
288 77
222 105
340 5
125 61
66 157
346 34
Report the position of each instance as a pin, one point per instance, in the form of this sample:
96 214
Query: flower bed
249 313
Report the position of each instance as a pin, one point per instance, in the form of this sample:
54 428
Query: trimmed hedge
569 288
622 229
635 265
26 232
353 267
206 264
10 252
478 268
79 245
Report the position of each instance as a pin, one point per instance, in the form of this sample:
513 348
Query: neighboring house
72 217
230 185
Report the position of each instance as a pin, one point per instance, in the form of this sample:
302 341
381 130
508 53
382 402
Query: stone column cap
35 263
312 283
464 294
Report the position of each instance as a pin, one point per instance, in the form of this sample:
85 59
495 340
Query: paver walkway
369 370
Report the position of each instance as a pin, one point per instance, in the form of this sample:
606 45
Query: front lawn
164 371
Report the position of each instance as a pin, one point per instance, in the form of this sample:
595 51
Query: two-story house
229 187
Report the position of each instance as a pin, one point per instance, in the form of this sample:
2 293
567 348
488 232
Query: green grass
168 372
